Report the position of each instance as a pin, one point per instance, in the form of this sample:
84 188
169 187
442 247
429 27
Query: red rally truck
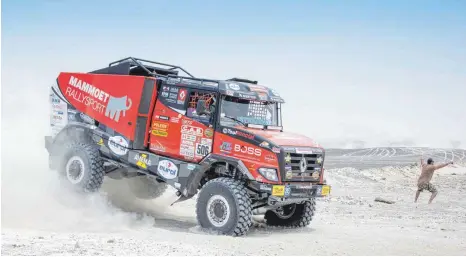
221 140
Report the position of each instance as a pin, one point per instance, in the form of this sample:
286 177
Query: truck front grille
302 166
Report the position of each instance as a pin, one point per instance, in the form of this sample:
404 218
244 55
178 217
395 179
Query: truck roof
237 87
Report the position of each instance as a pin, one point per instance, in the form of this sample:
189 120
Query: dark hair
430 161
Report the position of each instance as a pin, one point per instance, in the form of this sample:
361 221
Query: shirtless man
423 182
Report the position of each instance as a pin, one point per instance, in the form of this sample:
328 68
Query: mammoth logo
117 105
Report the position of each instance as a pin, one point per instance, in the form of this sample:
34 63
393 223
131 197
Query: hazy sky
378 71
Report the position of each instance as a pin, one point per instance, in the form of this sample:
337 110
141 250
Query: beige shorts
426 186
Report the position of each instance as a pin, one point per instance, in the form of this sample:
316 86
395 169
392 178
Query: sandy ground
40 217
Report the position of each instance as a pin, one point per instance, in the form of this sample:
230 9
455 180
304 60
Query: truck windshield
248 112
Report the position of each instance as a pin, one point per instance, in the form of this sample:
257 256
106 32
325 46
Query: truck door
178 130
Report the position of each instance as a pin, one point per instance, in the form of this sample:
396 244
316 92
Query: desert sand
41 217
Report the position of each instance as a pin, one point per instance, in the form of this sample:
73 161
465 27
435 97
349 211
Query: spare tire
145 187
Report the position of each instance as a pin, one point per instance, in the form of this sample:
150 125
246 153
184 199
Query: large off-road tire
223 205
81 166
294 215
145 187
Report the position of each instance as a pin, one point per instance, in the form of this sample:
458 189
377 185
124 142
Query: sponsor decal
237 133
263 97
163 117
289 149
233 86
287 190
160 129
230 93
258 88
174 90
165 94
159 133
173 96
188 142
270 158
304 186
209 132
248 150
319 160
166 88
157 147
186 122
266 188
276 150
192 130
167 169
246 96
243 134
175 119
191 166
187 153
182 96
118 145
97 99
142 160
289 174
173 80
225 147
288 158
160 125
264 144
188 137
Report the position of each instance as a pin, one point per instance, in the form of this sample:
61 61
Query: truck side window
201 106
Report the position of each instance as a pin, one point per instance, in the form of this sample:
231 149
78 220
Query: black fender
211 159
207 163
73 131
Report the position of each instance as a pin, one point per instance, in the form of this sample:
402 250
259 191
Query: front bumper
293 191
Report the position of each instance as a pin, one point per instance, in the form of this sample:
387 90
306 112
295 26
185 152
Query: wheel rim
287 212
75 169
218 210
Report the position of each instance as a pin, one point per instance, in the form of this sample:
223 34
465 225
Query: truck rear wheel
145 187
223 205
293 215
82 167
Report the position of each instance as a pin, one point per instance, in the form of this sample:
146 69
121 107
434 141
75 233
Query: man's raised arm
439 166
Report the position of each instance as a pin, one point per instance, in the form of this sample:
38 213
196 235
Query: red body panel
283 138
105 98
253 157
175 135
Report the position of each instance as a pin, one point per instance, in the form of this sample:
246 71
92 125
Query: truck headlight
270 174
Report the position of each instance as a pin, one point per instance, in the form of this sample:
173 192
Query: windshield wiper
235 119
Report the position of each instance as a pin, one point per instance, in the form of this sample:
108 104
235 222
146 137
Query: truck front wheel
223 205
293 216
82 167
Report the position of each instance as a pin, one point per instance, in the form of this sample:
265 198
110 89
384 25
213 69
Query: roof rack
243 80
137 62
